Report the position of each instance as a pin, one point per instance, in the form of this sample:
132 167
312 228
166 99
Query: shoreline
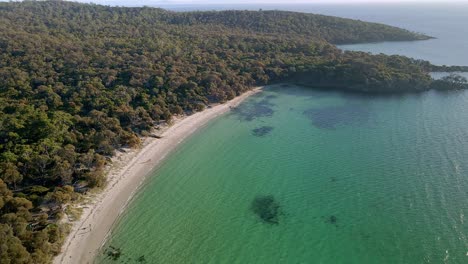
124 178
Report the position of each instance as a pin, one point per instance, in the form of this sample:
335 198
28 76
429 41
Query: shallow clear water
343 179
390 171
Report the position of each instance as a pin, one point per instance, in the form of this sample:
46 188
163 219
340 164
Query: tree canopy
79 81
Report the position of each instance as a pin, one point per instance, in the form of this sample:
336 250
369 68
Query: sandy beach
127 173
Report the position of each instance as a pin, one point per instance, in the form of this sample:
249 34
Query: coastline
89 232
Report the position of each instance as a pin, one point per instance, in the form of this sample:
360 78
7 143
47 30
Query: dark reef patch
332 117
141 259
271 96
262 131
333 220
267 209
365 235
253 110
113 253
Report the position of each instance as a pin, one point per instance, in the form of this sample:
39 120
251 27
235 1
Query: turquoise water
301 176
357 180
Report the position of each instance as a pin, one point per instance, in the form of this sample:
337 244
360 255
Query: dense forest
79 81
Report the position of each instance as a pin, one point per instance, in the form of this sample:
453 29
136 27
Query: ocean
295 175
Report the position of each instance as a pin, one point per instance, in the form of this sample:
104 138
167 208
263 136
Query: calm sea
301 176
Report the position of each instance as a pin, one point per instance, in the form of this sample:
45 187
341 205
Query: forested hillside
79 81
332 29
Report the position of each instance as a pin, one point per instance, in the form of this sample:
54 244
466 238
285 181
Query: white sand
89 232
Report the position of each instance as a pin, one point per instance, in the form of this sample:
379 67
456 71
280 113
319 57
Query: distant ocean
357 179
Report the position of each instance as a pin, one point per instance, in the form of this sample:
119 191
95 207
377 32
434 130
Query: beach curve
89 232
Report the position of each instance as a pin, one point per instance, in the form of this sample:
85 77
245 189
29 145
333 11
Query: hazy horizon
259 2
165 2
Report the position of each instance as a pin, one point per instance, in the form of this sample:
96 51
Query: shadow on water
267 209
262 131
331 117
299 91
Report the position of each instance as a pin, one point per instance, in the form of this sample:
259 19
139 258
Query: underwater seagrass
333 117
332 220
262 131
267 209
113 253
253 110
